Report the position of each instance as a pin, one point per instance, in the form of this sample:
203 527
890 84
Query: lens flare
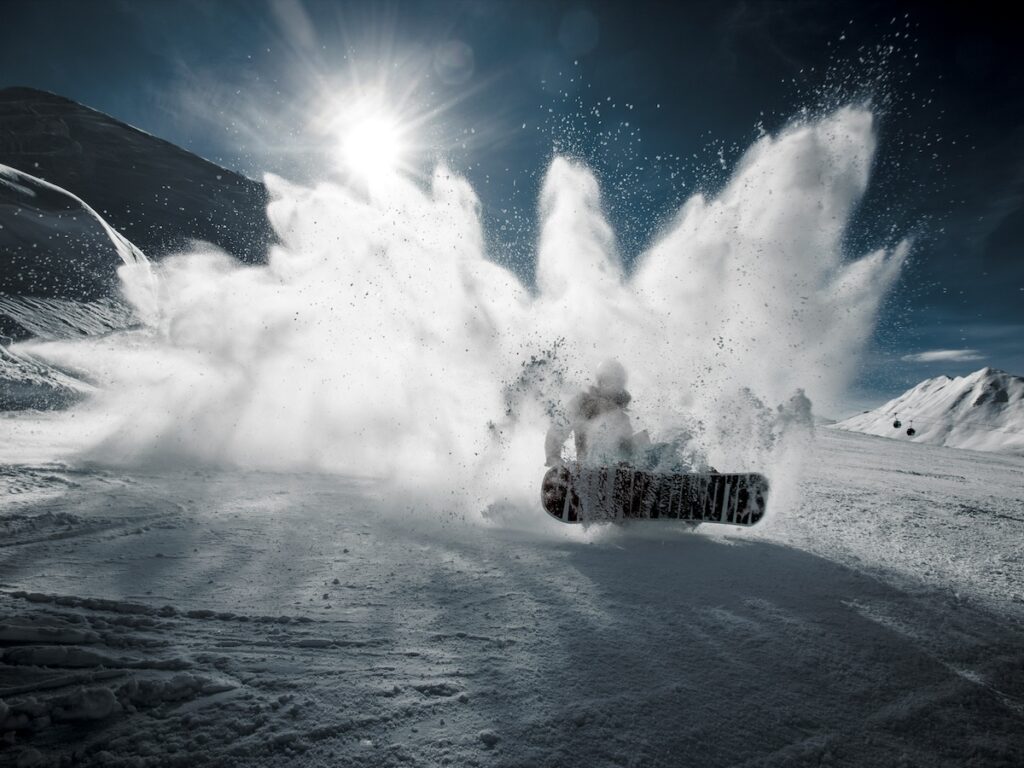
372 147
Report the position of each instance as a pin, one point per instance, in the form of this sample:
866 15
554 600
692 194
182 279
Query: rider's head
611 377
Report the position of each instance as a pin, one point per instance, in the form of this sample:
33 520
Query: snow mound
26 383
59 279
983 412
54 244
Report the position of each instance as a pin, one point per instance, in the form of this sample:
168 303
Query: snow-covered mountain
983 411
155 193
82 194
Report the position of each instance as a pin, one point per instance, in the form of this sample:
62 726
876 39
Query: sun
377 121
377 128
372 146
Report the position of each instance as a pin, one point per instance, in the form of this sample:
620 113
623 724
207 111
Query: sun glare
372 147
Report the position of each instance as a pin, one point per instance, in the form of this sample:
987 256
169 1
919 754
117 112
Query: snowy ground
255 619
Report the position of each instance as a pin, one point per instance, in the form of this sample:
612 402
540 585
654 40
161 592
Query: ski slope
246 619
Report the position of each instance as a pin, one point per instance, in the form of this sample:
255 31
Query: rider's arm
559 431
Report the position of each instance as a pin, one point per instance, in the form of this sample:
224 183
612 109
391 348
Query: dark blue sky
689 83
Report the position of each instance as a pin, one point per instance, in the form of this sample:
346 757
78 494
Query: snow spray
380 340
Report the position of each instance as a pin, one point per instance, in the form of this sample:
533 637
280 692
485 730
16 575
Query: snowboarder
795 413
598 420
620 475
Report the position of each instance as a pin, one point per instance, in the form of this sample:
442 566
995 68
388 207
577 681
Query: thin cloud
943 356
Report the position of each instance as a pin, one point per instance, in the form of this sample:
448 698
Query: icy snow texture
983 411
25 317
27 383
379 339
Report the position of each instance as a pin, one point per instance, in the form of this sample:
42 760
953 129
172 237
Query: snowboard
576 494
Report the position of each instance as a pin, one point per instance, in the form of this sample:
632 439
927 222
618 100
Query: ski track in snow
256 619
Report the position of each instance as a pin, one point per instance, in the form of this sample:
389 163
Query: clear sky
680 90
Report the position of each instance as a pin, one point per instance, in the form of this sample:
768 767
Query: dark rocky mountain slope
156 194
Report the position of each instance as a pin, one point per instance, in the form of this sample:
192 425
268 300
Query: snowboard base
573 493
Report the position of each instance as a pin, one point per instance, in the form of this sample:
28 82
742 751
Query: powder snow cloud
380 339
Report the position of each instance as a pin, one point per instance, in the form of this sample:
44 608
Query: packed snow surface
243 618
983 411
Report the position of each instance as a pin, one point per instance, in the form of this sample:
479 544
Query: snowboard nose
554 495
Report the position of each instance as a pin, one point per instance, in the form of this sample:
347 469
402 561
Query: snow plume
380 340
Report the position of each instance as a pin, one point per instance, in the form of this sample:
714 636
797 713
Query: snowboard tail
577 494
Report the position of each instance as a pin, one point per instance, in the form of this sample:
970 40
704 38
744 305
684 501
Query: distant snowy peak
983 411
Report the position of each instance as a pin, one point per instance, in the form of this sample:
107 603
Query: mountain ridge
29 91
157 194
983 411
